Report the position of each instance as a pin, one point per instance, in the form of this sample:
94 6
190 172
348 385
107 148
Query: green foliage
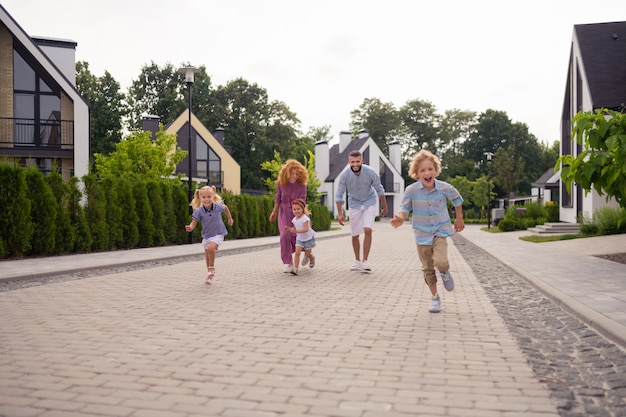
107 105
610 220
145 225
125 200
527 216
96 213
16 228
382 120
78 219
465 188
157 207
137 157
552 212
601 165
43 213
321 217
181 209
160 91
65 237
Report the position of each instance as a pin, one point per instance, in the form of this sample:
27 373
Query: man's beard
356 170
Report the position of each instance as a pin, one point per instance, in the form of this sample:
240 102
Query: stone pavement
260 343
591 288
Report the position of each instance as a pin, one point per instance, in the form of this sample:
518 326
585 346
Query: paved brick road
261 343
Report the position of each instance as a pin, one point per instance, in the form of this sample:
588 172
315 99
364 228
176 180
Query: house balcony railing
216 178
33 133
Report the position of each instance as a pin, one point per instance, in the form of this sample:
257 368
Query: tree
157 91
139 157
381 120
255 128
107 108
507 169
420 123
602 163
456 126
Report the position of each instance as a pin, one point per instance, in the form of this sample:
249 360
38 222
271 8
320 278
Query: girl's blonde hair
196 202
421 156
292 165
305 207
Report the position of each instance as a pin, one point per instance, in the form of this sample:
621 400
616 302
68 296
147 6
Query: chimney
218 134
151 124
395 156
364 134
322 160
345 137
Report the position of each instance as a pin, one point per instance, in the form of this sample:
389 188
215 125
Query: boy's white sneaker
365 267
448 282
435 305
356 266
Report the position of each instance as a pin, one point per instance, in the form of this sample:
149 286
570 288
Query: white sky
324 57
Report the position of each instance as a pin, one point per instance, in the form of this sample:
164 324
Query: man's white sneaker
365 267
356 266
288 268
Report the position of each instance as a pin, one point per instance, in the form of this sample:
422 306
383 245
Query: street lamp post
189 74
489 155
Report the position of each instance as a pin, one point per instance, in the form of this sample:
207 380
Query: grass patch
541 239
492 229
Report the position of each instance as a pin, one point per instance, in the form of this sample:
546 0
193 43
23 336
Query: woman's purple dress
285 194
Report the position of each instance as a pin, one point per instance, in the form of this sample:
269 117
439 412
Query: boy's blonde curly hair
422 156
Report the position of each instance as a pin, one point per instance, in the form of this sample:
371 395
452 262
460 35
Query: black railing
47 133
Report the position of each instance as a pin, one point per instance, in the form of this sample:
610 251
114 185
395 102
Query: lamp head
189 73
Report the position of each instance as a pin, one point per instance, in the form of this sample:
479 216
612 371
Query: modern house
211 162
596 78
44 121
331 162
546 188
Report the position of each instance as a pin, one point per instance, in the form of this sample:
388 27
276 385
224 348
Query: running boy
427 200
208 208
305 235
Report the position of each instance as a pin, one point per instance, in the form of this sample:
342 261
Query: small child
305 235
208 208
427 199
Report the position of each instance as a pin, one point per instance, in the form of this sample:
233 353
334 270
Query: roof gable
176 125
603 52
338 160
41 57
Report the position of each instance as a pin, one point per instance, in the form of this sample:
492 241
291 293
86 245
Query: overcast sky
324 57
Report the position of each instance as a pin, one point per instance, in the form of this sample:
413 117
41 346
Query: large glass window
37 108
208 163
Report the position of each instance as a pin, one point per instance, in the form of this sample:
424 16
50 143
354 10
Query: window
208 163
37 108
45 165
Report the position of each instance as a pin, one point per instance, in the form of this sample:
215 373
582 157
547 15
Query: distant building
596 78
330 163
44 121
212 163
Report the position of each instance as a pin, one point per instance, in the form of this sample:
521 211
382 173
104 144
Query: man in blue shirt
362 184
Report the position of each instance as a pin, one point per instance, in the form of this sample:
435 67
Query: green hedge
43 216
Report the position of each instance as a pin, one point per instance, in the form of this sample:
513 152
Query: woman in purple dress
290 185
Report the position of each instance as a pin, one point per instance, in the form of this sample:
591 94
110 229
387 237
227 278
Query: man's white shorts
361 218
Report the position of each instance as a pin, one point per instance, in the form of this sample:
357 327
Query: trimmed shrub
43 213
16 228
